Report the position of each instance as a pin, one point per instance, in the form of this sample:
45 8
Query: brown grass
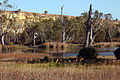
35 72
106 57
106 44
44 71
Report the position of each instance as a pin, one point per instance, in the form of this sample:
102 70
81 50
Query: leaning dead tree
92 26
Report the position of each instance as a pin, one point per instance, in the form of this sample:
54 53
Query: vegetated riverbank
13 52
103 68
54 47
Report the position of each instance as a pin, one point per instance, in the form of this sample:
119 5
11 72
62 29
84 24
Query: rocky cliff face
30 15
20 18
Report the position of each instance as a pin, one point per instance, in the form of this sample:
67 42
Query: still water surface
102 51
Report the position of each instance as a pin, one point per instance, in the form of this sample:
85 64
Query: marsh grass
13 71
104 70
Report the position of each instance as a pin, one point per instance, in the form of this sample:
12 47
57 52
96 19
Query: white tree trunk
3 43
63 36
63 27
109 35
34 40
87 39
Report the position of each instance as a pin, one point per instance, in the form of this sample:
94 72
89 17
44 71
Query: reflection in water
106 53
57 53
108 49
70 54
10 50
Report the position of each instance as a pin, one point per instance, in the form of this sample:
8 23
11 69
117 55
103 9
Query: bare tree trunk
34 40
14 37
92 28
63 36
63 27
109 35
34 36
91 38
3 43
88 30
2 37
87 39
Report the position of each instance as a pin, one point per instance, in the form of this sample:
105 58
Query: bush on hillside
88 53
117 53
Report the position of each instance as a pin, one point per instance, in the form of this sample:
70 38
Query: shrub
46 59
117 53
88 53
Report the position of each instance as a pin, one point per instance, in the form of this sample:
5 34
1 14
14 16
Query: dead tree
92 27
63 27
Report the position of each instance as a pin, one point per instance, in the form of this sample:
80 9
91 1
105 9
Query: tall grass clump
88 53
117 53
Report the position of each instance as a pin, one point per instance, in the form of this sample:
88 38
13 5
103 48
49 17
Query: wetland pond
57 53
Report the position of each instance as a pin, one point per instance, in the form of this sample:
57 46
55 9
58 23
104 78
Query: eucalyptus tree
71 27
78 31
4 19
16 26
63 27
108 26
31 29
67 27
43 29
5 5
92 26
47 30
57 30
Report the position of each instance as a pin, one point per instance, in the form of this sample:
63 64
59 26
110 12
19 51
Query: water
75 54
106 53
102 51
108 49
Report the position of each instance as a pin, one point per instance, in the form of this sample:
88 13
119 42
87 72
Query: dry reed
13 71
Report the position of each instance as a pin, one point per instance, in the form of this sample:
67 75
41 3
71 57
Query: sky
71 7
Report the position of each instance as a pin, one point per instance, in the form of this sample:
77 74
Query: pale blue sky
71 7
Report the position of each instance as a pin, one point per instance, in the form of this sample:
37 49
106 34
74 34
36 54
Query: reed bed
13 71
